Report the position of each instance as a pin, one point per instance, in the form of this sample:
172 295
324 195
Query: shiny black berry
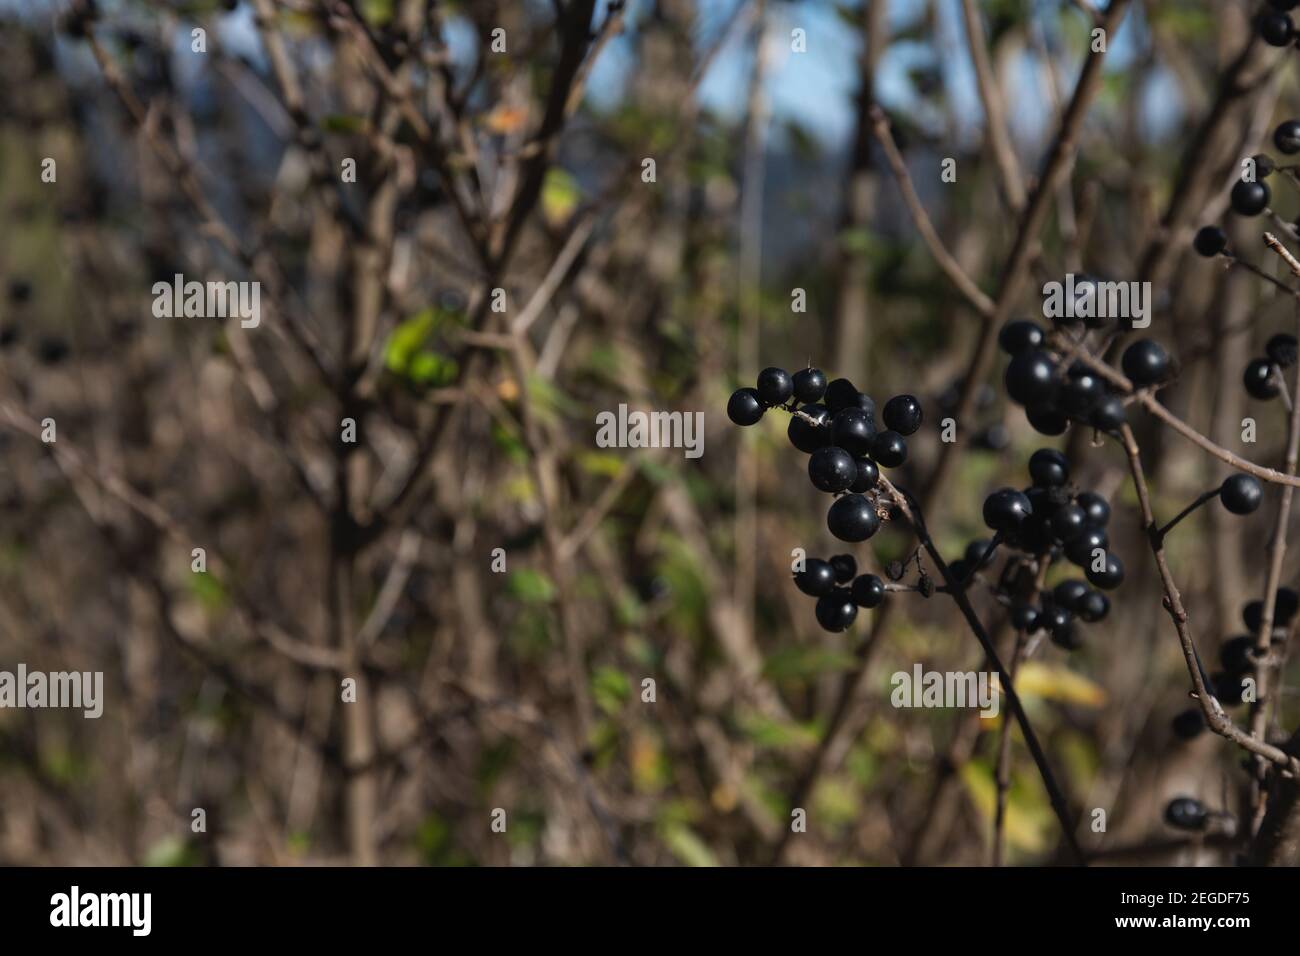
1006 510
1020 336
889 449
1287 137
1210 241
1031 378
744 406
852 518
1259 380
902 414
1069 521
845 567
1024 617
1236 654
1185 813
868 475
774 386
1109 575
1109 414
816 578
1047 419
1093 607
977 553
1094 506
1080 391
1241 494
809 385
1276 28
832 469
1250 199
1082 550
840 393
868 590
836 611
1145 362
1049 468
1069 593
853 431
1060 625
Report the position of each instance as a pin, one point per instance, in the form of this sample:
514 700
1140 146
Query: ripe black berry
1241 494
868 475
868 590
1006 510
816 578
1095 507
1047 419
845 567
1236 654
808 437
841 393
744 406
774 386
976 551
1264 165
1283 4
1281 349
836 611
1049 468
1189 724
832 469
1109 414
809 385
902 414
852 518
1081 390
1093 606
1024 617
1020 336
1081 549
1287 137
1069 593
1276 28
889 449
1060 623
1186 814
1145 362
1259 380
1250 199
1069 521
1210 241
1031 378
853 431
1253 616
1109 576
1230 689
1285 604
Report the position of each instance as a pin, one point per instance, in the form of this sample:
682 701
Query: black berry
1189 724
1006 510
1186 814
744 406
809 385
1049 468
1210 241
1276 28
836 611
1109 414
868 475
774 386
1145 362
1259 380
1250 199
868 590
1020 336
832 469
1241 494
845 567
1109 576
840 393
852 518
902 414
806 436
889 449
1094 506
816 578
1287 137
853 431
1031 378
1281 349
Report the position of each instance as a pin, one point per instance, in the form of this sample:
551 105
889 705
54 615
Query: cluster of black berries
1237 660
838 600
1251 196
1047 520
836 425
1275 25
1263 376
1053 396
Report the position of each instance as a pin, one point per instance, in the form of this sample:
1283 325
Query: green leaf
610 689
560 194
344 123
530 586
171 851
209 590
686 845
432 369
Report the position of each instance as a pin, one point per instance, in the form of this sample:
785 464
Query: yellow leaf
1056 682
1023 826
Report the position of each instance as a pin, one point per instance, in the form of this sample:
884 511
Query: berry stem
1201 499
